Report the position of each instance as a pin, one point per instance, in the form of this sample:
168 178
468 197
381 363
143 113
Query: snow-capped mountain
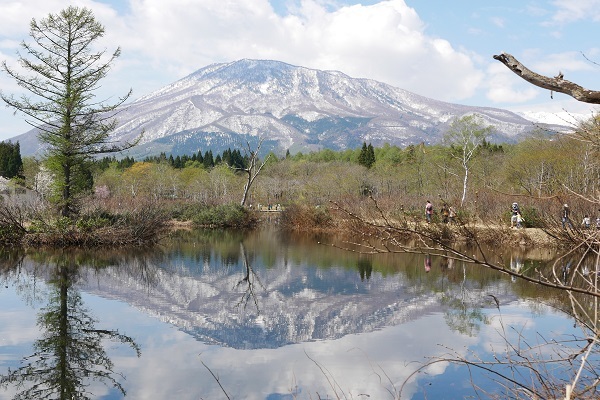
291 108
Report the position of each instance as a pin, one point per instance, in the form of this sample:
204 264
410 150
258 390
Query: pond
262 315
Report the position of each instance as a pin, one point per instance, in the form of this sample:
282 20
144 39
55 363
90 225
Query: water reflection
256 307
70 352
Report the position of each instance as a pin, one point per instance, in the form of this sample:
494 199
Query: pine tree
370 156
209 161
11 164
65 72
362 157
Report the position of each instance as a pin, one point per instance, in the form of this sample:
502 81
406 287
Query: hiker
428 211
520 220
586 222
514 210
445 213
451 214
566 219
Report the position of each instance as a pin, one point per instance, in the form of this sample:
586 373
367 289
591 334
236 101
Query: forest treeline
535 172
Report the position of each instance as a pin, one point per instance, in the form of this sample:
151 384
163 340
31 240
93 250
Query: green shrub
92 222
531 217
10 234
225 215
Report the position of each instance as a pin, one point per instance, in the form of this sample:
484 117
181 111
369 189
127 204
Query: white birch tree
465 136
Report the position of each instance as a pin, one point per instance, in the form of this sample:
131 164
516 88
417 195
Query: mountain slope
295 108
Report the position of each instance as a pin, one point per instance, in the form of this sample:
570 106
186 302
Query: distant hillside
293 108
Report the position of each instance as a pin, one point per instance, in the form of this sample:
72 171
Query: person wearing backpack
428 211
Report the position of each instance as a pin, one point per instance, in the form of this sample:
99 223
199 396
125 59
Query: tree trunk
464 196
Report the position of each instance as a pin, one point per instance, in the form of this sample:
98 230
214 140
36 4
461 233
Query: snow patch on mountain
291 107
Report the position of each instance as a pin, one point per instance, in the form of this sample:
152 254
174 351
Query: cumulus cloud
386 41
502 87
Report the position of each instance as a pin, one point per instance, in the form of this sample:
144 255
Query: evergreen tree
362 157
178 163
208 162
367 155
370 157
65 73
11 164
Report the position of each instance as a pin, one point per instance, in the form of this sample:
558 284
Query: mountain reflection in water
271 315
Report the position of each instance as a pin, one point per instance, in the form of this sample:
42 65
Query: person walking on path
520 220
445 213
586 222
428 211
566 217
515 211
451 214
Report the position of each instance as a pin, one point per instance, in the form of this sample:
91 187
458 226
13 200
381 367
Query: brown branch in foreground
555 84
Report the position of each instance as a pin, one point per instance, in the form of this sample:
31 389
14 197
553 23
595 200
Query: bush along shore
144 225
407 226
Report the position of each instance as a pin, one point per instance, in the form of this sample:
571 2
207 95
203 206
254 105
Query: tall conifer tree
65 73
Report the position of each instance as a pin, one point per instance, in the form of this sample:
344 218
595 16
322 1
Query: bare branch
555 84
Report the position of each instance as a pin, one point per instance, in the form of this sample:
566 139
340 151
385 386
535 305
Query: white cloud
573 10
550 64
498 21
386 41
504 87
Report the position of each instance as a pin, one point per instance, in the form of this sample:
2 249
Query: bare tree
252 169
248 281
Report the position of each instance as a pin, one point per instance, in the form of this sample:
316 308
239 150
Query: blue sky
436 48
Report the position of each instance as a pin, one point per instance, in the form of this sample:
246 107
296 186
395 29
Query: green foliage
59 226
11 164
94 221
366 157
531 217
540 166
209 161
10 234
225 215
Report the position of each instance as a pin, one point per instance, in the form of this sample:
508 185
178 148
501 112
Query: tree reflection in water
70 355
250 277
463 312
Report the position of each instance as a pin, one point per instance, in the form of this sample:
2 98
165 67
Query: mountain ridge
227 105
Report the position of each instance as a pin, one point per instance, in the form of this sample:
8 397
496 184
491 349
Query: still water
217 315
